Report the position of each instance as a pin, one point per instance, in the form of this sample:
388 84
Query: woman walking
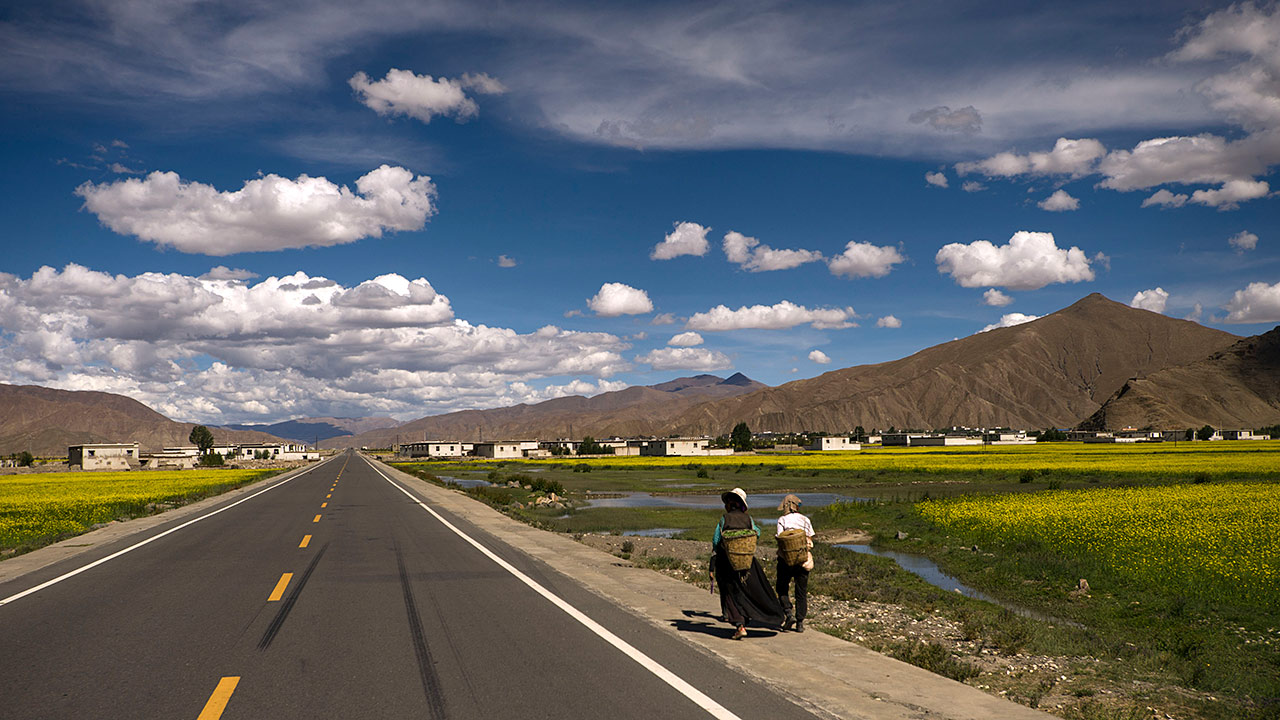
745 595
798 571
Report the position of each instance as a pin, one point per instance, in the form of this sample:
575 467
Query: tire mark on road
283 614
426 665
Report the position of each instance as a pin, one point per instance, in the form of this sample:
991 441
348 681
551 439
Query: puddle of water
655 532
465 482
759 502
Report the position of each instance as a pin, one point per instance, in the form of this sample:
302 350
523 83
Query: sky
250 212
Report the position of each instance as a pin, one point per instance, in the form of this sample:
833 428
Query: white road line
714 708
135 546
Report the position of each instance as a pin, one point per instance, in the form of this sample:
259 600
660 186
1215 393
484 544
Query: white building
504 449
682 447
822 444
434 448
928 440
104 456
1243 435
1003 437
276 451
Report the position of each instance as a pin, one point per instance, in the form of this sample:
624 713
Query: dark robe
746 595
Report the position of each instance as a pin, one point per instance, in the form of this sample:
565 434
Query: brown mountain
1236 388
1051 372
638 410
45 421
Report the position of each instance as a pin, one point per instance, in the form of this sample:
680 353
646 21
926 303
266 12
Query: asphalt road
335 594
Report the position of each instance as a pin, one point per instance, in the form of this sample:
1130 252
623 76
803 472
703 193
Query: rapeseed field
35 509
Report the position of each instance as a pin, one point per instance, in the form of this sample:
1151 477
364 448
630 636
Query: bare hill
308 430
1237 388
1051 372
638 410
44 421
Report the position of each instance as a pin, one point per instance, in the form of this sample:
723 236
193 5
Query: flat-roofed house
277 451
433 448
503 449
841 442
104 456
683 447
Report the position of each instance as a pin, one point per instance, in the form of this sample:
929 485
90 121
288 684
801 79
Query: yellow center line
280 586
329 495
305 540
317 519
218 700
324 505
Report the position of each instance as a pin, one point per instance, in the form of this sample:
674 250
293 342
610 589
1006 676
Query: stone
901 535
1083 586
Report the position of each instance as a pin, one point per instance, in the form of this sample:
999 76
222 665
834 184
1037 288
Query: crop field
1211 539
1242 459
37 509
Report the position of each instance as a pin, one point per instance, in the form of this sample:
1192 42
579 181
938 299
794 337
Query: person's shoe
740 633
786 624
799 626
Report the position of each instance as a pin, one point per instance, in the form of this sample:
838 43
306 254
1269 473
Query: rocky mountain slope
1236 388
308 430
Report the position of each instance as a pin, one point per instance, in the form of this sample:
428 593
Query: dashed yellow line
317 519
280 586
329 495
324 505
218 700
306 540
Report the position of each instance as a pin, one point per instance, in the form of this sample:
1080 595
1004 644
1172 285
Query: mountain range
312 430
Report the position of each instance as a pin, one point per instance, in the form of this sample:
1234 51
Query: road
336 593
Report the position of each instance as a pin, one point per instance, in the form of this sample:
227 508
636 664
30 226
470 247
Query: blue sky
241 213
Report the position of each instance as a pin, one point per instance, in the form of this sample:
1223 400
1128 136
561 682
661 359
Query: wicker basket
793 547
740 546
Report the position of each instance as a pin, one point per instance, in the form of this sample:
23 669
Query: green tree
201 438
1052 435
1205 432
1190 434
212 459
859 435
740 438
589 446
26 459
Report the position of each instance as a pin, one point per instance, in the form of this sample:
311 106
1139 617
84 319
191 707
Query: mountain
637 410
44 421
1051 372
1236 388
308 430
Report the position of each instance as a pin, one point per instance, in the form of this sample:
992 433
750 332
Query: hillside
309 430
44 421
1237 388
1051 372
638 410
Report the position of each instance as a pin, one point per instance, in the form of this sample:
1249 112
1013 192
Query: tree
1205 433
589 446
1052 435
26 459
1190 434
201 438
740 438
212 459
859 435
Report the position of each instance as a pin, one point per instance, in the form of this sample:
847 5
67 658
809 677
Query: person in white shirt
792 520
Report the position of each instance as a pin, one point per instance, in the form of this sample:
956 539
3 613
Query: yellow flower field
1219 539
36 508
1239 458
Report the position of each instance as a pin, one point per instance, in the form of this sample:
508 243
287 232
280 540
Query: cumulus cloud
506 262
1243 240
1196 311
685 358
936 179
268 213
995 298
1068 157
686 239
663 319
616 299
532 394
1247 92
785 314
402 92
1257 303
1153 300
222 272
1164 198
1231 194
1030 261
889 321
1059 201
1009 320
754 256
819 357
220 349
966 120
685 339
861 259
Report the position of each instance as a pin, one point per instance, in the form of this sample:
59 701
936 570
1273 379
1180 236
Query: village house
276 451
434 448
104 456
823 444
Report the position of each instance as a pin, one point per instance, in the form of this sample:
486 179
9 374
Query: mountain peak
737 379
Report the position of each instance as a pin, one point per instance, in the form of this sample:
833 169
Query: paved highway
337 593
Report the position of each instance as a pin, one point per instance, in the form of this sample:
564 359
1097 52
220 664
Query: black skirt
746 595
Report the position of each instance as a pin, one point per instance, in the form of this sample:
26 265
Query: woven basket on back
740 546
793 547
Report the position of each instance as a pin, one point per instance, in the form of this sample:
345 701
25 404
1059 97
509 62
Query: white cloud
1059 201
616 299
222 272
1068 157
819 357
1257 303
531 394
1196 312
1030 261
403 92
220 349
686 239
861 259
506 262
889 321
973 186
1165 198
936 179
1153 300
663 319
685 339
1009 320
995 298
785 314
268 213
966 120
1247 92
749 253
1243 240
1231 194
685 358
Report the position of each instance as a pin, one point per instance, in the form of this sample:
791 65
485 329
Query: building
928 440
503 449
682 447
1243 435
434 448
1008 437
822 444
104 456
276 451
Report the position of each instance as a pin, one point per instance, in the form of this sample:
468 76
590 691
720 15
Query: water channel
759 502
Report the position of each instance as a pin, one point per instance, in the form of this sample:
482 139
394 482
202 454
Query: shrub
628 547
582 467
211 460
1026 476
702 473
